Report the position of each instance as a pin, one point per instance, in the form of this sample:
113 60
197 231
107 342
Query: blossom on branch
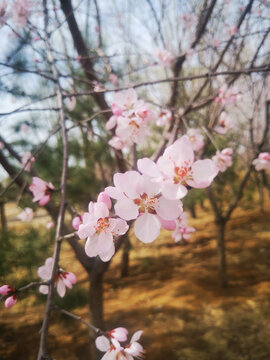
21 12
262 162
100 231
140 199
225 124
223 159
182 230
115 351
41 190
130 117
62 279
176 170
196 139
164 117
226 96
10 300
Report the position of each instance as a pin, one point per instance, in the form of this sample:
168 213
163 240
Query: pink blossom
76 222
10 300
262 162
164 117
2 145
103 197
182 230
138 198
226 96
50 225
115 351
41 190
223 159
26 214
225 124
20 12
164 57
113 79
97 86
100 231
130 117
27 159
176 169
62 279
3 13
196 139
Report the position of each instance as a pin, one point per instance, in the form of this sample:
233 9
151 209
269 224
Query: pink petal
136 336
102 343
61 289
108 254
44 289
167 224
91 246
119 334
104 197
44 200
173 191
169 209
126 209
118 226
148 167
128 183
147 227
100 210
204 172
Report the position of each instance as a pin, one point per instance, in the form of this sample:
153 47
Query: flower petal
147 227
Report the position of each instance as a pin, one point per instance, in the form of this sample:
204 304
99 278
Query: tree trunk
192 209
96 308
222 253
125 258
3 217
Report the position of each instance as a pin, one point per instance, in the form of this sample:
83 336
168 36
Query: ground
173 294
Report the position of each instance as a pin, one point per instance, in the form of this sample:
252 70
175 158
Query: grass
172 293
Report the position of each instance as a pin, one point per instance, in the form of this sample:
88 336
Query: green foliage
22 252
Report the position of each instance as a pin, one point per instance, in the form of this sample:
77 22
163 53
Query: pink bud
104 197
76 222
6 289
11 301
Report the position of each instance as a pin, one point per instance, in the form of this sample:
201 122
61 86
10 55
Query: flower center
147 203
181 174
102 225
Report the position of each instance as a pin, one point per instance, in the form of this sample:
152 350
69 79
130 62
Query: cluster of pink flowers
130 117
164 57
10 292
196 139
182 231
225 124
262 162
114 350
226 96
223 159
62 279
41 190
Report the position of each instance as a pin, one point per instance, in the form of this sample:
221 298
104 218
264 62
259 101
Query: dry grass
173 294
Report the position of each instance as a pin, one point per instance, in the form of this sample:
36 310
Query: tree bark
3 217
222 253
125 258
